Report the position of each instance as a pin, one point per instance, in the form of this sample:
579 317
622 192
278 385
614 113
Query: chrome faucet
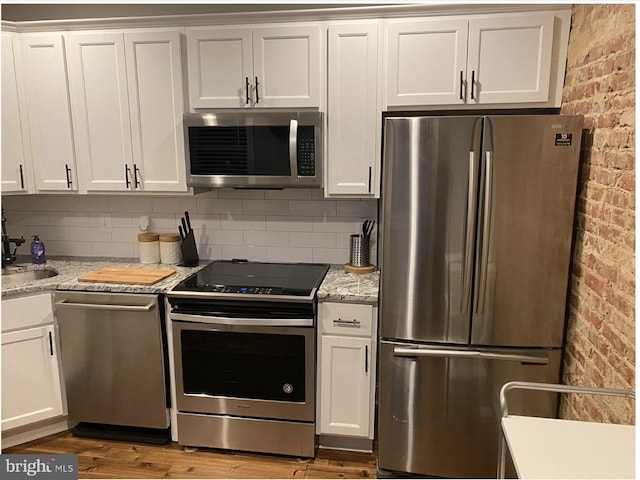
7 257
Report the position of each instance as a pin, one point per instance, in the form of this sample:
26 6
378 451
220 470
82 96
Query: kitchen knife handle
188 220
182 235
469 244
486 232
246 89
184 226
127 170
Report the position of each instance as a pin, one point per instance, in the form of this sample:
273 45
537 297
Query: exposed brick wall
600 84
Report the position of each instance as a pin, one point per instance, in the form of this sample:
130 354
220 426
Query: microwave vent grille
221 150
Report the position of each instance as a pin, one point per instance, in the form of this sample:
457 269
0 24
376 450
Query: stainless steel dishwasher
114 358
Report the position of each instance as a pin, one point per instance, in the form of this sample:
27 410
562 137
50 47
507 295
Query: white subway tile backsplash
256 254
358 208
265 207
242 222
312 239
218 205
291 225
313 208
289 254
47 203
282 223
266 239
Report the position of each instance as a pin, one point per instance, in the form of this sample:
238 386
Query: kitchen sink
14 278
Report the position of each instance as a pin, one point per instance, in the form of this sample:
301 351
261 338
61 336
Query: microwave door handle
293 147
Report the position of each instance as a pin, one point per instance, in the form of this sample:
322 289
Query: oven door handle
252 322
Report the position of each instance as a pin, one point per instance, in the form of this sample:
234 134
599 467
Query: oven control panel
247 290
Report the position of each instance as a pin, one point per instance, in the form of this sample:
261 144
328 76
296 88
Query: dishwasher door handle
113 308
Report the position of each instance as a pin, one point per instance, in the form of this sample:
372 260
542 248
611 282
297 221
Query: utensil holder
359 251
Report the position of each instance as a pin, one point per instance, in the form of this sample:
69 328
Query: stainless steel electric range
245 356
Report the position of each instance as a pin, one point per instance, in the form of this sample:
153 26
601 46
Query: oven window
244 365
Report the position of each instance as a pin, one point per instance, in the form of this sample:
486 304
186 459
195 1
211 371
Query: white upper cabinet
50 128
156 105
100 105
354 112
426 61
501 59
510 58
16 155
126 92
276 66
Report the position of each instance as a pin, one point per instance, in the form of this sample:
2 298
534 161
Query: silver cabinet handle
347 323
478 354
293 147
100 306
469 244
486 231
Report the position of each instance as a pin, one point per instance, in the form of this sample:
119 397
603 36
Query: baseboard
346 443
20 435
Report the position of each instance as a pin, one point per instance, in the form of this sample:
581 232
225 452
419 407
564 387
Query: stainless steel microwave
254 149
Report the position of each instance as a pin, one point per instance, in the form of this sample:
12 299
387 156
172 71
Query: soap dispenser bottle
37 251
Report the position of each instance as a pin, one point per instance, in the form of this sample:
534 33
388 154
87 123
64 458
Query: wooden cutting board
133 276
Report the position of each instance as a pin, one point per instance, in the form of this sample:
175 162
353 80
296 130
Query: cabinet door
510 58
15 156
50 128
354 114
426 62
154 71
345 381
286 63
220 67
30 377
100 105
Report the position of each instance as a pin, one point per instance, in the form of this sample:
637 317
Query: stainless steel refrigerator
477 220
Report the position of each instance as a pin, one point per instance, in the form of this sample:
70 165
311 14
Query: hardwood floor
99 458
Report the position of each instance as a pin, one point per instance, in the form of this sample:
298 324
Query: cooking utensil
182 234
186 217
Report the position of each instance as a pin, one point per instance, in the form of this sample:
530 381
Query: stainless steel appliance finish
251 434
113 358
250 149
477 222
244 355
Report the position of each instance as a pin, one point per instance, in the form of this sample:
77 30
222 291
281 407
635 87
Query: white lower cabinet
347 372
31 383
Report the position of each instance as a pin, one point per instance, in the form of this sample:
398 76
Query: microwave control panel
306 157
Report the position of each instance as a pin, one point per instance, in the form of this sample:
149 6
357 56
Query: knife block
189 251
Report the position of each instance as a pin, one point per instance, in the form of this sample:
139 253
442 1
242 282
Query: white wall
295 225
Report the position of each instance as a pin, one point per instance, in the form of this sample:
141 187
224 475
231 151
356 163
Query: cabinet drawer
346 319
24 312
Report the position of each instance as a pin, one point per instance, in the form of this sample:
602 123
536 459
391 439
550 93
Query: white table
551 448
555 448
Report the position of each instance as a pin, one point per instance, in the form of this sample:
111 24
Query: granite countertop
70 270
339 285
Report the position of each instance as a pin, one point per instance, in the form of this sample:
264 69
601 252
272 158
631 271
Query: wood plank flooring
99 458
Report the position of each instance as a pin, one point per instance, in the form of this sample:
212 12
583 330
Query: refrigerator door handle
486 230
469 244
477 354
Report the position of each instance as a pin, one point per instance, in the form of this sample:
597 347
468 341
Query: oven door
245 370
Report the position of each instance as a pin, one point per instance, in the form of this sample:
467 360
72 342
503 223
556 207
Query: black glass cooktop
256 278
